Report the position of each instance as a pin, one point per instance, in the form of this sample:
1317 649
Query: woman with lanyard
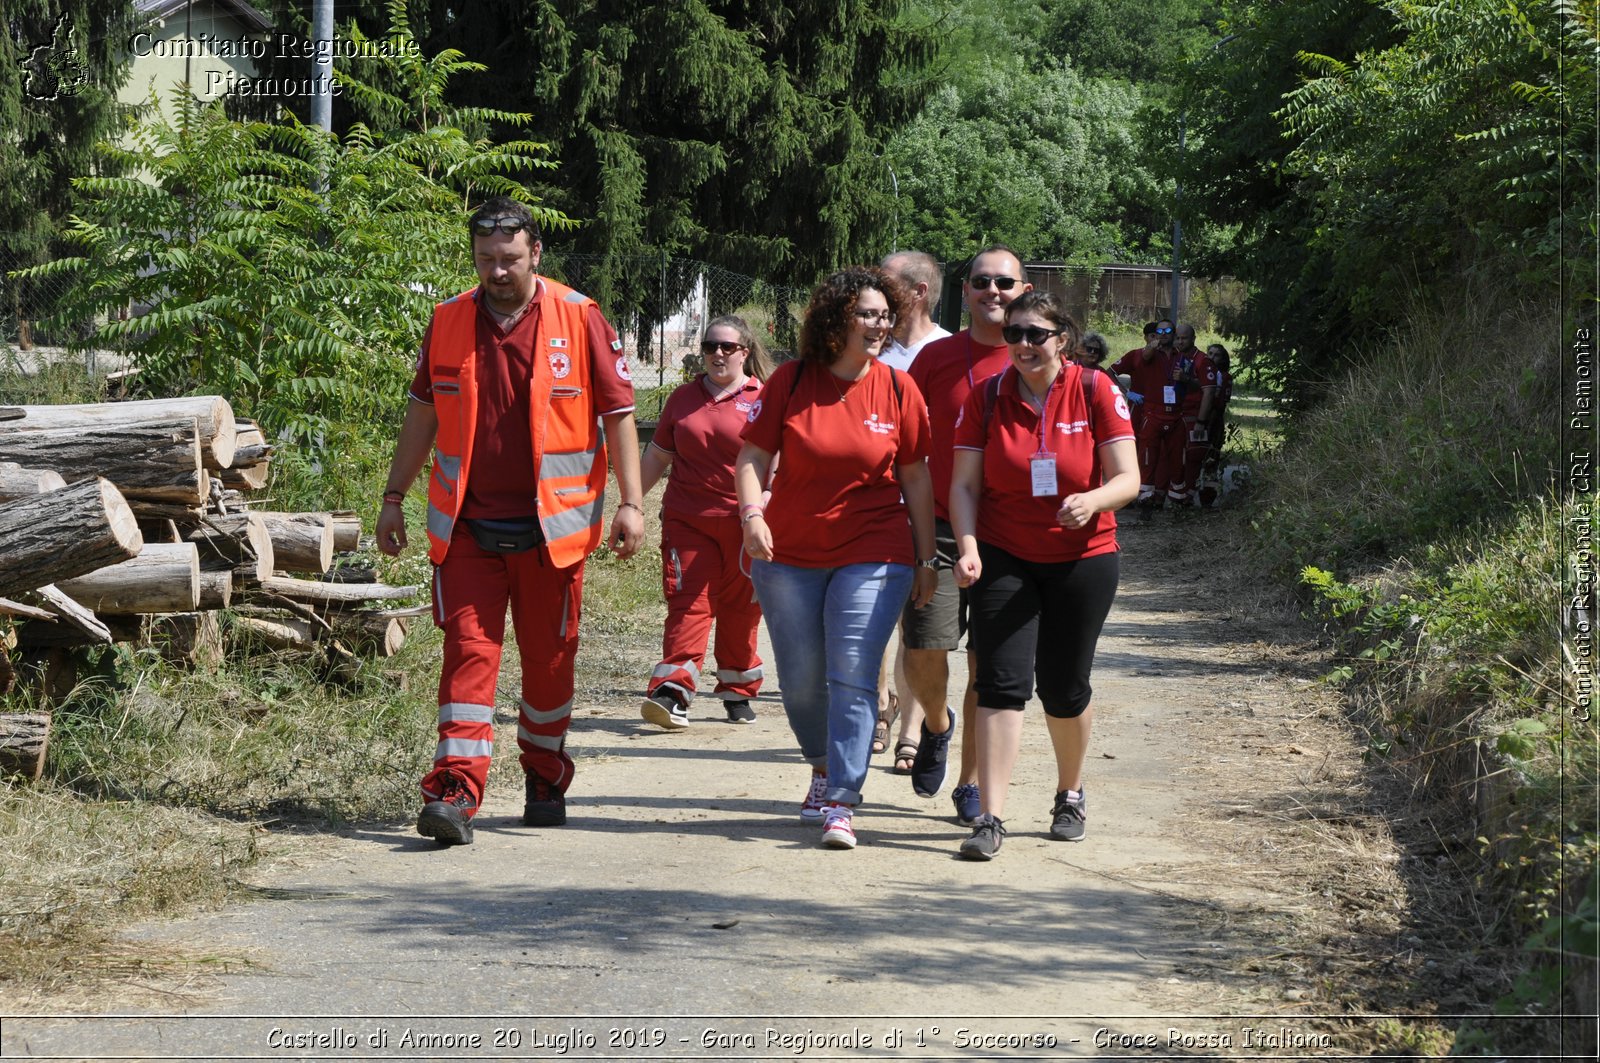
702 548
1044 455
836 551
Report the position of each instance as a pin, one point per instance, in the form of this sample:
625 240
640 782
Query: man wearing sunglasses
513 382
946 371
1151 369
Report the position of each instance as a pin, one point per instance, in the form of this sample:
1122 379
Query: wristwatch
932 562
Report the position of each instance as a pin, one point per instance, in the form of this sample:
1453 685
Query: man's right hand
391 530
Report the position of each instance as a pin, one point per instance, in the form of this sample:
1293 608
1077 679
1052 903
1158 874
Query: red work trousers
470 593
702 578
1160 450
1194 456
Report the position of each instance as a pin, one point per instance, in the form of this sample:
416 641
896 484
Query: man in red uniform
1198 395
946 372
1152 369
512 382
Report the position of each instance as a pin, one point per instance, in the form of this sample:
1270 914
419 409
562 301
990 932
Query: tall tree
747 134
61 63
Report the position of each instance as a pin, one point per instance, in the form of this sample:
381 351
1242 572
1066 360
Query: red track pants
470 593
1160 451
701 577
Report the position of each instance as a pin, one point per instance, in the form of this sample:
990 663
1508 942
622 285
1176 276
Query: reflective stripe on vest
568 449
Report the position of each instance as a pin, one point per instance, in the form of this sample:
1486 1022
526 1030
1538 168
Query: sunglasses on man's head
1035 336
981 281
713 347
487 226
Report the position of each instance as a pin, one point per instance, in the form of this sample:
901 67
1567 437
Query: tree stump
24 740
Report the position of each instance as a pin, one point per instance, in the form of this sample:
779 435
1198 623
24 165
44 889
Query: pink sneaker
837 830
811 807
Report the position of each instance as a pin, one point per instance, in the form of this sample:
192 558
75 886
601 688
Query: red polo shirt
945 372
501 484
1009 516
836 497
702 435
1150 379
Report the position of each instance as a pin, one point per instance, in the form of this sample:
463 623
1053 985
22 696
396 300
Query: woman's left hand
922 590
1075 511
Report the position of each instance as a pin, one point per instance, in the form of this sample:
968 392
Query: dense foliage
284 268
1366 152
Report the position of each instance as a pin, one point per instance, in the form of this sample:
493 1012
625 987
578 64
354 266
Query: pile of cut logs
128 522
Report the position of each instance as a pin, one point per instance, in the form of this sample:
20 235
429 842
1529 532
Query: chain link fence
661 306
26 304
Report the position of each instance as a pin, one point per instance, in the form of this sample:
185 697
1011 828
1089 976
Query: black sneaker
740 711
927 770
1068 816
545 807
448 820
665 711
985 839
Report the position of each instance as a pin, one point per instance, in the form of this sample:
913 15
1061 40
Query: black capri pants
1039 618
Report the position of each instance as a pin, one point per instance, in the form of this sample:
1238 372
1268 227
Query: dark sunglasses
982 280
713 347
1035 336
487 226
1095 352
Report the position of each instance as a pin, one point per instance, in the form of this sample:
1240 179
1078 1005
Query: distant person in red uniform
1044 456
847 534
1198 389
1154 394
1216 425
702 546
946 373
514 382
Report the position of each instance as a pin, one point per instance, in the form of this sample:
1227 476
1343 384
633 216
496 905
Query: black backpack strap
991 395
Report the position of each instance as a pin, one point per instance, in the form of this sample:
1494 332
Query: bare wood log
273 605
232 541
213 417
72 615
19 482
28 612
190 640
24 740
334 595
174 512
65 533
374 635
164 578
216 590
158 461
11 413
404 612
300 545
285 633
346 524
248 478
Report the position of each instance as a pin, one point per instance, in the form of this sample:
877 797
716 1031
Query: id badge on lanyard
1043 465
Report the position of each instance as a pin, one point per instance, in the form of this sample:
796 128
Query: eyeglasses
981 282
876 317
1163 332
1035 336
487 226
713 347
1094 352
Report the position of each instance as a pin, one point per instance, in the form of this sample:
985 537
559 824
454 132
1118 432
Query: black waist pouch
507 536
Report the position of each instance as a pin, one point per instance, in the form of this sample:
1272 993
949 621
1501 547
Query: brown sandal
880 729
905 756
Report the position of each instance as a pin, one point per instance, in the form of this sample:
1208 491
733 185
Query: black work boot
545 807
448 820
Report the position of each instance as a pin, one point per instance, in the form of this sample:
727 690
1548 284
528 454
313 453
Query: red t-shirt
945 372
1151 379
702 435
1009 516
836 497
501 484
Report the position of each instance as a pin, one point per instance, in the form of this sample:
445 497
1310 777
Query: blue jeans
829 627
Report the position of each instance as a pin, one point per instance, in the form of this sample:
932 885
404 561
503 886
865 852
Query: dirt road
684 908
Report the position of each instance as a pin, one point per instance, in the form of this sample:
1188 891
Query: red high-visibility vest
569 456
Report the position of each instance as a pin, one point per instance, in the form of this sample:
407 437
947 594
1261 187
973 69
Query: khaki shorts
940 624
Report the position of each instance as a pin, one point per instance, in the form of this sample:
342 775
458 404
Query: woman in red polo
702 546
1044 455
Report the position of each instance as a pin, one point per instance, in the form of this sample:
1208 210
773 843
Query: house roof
242 11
